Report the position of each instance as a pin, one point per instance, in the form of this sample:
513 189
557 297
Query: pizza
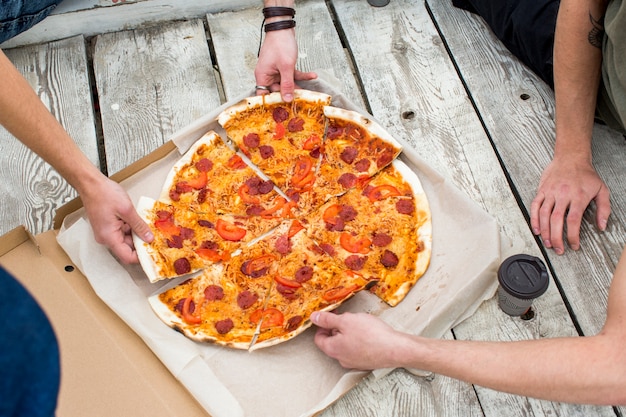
274 222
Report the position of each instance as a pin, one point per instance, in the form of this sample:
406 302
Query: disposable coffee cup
378 3
522 278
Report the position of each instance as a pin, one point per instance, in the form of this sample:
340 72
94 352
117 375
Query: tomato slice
339 293
235 162
198 182
312 142
279 133
167 226
287 282
354 244
212 255
229 231
257 264
247 198
187 314
381 192
280 203
302 173
331 213
271 317
295 227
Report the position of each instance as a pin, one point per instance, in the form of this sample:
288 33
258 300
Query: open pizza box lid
227 382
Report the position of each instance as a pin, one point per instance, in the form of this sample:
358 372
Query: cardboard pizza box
106 369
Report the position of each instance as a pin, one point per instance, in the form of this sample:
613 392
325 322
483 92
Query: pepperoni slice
293 323
283 245
246 299
349 154
280 114
266 151
355 262
304 274
389 259
295 125
405 206
347 180
381 239
252 140
333 132
213 293
204 165
182 266
362 165
224 326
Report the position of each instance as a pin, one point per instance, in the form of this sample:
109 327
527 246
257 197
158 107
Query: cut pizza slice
393 250
186 241
282 139
212 178
354 149
306 279
215 306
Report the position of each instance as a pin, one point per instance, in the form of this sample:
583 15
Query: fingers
325 320
603 208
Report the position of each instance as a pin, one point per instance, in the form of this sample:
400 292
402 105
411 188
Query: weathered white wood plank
151 82
319 48
91 17
31 190
413 89
523 133
518 109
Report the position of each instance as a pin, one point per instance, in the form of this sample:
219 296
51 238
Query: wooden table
433 75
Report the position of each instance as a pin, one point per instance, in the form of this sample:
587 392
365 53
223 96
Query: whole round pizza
299 208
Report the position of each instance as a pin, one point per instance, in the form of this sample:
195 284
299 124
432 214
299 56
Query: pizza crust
144 250
209 139
268 99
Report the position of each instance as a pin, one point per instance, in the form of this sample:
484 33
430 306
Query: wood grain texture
151 82
413 87
523 134
31 190
318 43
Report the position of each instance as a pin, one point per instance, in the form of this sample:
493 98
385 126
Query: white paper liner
295 378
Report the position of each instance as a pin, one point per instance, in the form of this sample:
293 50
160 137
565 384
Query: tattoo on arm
596 34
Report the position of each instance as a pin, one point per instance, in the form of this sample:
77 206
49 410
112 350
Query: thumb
138 226
325 320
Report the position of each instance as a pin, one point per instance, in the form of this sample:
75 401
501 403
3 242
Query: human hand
276 67
566 188
358 341
113 218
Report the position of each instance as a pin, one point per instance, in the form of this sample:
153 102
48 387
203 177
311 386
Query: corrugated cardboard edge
106 369
75 204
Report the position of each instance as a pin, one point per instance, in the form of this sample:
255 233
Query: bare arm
276 67
108 207
578 369
569 183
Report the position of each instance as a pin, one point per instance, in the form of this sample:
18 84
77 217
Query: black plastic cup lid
523 276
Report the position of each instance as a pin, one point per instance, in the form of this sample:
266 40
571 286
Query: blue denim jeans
29 354
16 16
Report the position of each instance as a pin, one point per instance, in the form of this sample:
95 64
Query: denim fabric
29 354
16 16
525 27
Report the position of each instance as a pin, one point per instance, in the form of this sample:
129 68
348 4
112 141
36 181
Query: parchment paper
295 378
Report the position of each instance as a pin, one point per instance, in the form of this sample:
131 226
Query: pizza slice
212 178
282 139
215 306
380 230
186 241
306 279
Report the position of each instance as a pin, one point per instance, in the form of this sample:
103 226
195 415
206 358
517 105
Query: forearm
578 370
283 3
577 61
23 114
